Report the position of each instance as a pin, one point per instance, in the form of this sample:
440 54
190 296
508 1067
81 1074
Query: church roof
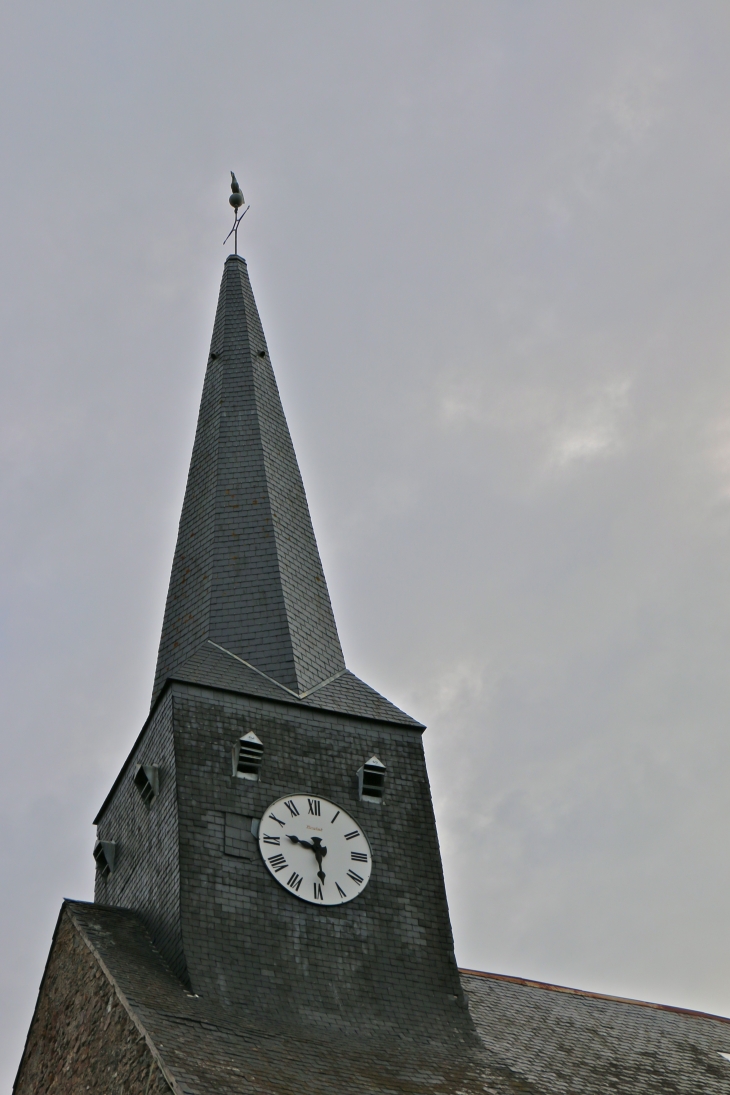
247 607
536 1039
560 1040
345 693
246 572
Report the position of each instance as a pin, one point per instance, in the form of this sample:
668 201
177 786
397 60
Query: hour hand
304 843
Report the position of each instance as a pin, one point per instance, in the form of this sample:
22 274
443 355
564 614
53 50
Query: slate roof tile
212 666
537 1039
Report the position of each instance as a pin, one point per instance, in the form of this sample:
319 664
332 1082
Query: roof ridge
549 987
297 695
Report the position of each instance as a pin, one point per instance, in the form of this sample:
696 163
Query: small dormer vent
248 754
105 854
371 780
147 781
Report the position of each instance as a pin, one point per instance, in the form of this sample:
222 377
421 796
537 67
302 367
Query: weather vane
236 200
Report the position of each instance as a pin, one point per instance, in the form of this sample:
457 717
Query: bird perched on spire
236 199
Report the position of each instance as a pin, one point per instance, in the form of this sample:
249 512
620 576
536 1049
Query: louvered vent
104 855
371 780
248 754
147 781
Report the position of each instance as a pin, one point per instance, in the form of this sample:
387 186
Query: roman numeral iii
361 857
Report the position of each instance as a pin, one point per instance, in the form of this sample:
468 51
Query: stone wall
82 1039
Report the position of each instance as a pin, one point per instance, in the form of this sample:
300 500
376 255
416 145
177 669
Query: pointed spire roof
248 606
247 573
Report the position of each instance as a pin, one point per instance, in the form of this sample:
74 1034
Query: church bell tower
268 878
270 915
221 829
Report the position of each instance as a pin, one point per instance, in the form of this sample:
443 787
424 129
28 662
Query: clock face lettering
315 850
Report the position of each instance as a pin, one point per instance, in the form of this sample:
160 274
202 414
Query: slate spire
247 574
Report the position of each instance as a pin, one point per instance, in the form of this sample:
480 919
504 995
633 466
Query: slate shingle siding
146 874
247 586
212 666
111 1016
241 988
246 571
380 962
561 1042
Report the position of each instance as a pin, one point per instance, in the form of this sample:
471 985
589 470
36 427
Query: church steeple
255 721
246 575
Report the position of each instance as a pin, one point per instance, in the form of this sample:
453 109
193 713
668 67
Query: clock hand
304 843
316 846
320 852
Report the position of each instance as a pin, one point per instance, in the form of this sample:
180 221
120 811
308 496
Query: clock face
315 850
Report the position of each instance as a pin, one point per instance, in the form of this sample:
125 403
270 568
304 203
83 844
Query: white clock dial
315 850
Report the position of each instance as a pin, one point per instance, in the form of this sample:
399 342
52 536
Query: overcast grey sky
490 245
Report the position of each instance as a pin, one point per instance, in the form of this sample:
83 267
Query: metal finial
236 200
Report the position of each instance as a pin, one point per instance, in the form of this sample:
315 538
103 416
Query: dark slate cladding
534 1039
346 693
379 965
204 1048
558 1041
146 874
246 572
237 986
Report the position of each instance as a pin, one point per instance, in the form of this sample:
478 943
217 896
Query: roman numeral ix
271 839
